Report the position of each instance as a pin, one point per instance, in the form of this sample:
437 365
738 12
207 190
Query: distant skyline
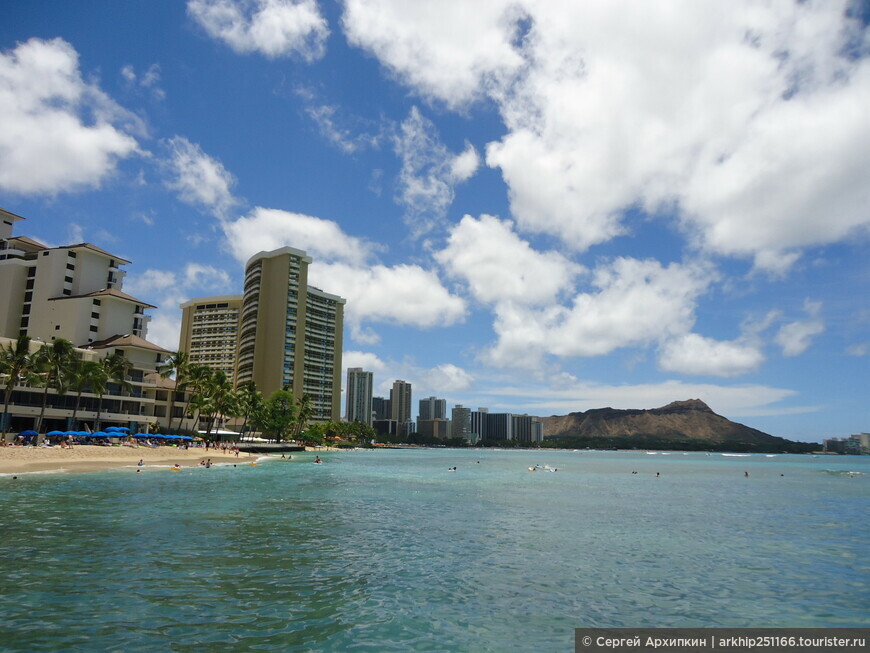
537 207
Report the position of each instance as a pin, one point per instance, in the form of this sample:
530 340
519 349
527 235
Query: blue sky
534 206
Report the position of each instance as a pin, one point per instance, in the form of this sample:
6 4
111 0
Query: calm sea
390 551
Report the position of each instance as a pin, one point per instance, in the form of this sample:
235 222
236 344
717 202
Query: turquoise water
388 551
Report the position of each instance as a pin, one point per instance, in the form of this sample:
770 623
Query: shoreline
90 458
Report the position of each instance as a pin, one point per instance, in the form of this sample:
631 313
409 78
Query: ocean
390 551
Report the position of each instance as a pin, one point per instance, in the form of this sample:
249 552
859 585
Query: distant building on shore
400 401
358 392
432 408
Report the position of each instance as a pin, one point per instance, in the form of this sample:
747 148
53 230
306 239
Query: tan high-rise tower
290 334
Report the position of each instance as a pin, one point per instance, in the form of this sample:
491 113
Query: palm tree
197 378
222 396
16 365
179 365
249 401
82 375
117 367
53 362
304 411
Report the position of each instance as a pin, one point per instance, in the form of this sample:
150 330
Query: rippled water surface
389 551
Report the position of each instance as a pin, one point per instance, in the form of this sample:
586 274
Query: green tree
115 368
52 363
304 411
82 375
178 364
249 402
197 378
16 366
278 415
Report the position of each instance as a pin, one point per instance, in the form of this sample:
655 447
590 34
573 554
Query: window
96 302
31 272
29 285
68 279
95 316
67 292
25 310
45 253
24 322
71 254
28 297
57 327
70 266
93 328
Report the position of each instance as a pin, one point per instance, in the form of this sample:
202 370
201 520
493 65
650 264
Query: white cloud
164 329
441 48
401 294
796 337
150 79
429 172
267 229
274 28
199 179
695 354
748 121
58 133
499 266
636 303
449 378
463 166
366 360
325 117
861 349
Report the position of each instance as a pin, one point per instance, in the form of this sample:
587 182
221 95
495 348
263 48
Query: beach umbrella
29 433
121 428
100 434
141 435
56 433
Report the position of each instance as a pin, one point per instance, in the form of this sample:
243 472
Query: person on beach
176 467
141 463
208 463
317 460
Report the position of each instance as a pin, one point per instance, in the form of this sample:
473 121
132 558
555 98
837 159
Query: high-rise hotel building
210 331
359 395
289 334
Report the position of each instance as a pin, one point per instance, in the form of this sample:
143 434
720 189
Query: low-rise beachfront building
74 293
438 428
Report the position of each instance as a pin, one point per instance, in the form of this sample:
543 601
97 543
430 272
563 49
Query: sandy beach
89 458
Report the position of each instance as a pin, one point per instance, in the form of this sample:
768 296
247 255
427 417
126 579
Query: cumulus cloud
402 294
274 28
429 172
498 265
634 303
440 48
449 378
58 132
198 178
267 229
694 354
747 122
796 337
364 359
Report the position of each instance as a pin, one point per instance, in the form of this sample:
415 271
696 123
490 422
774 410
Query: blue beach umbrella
29 433
142 435
56 433
100 434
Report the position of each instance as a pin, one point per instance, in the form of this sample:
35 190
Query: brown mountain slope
689 421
